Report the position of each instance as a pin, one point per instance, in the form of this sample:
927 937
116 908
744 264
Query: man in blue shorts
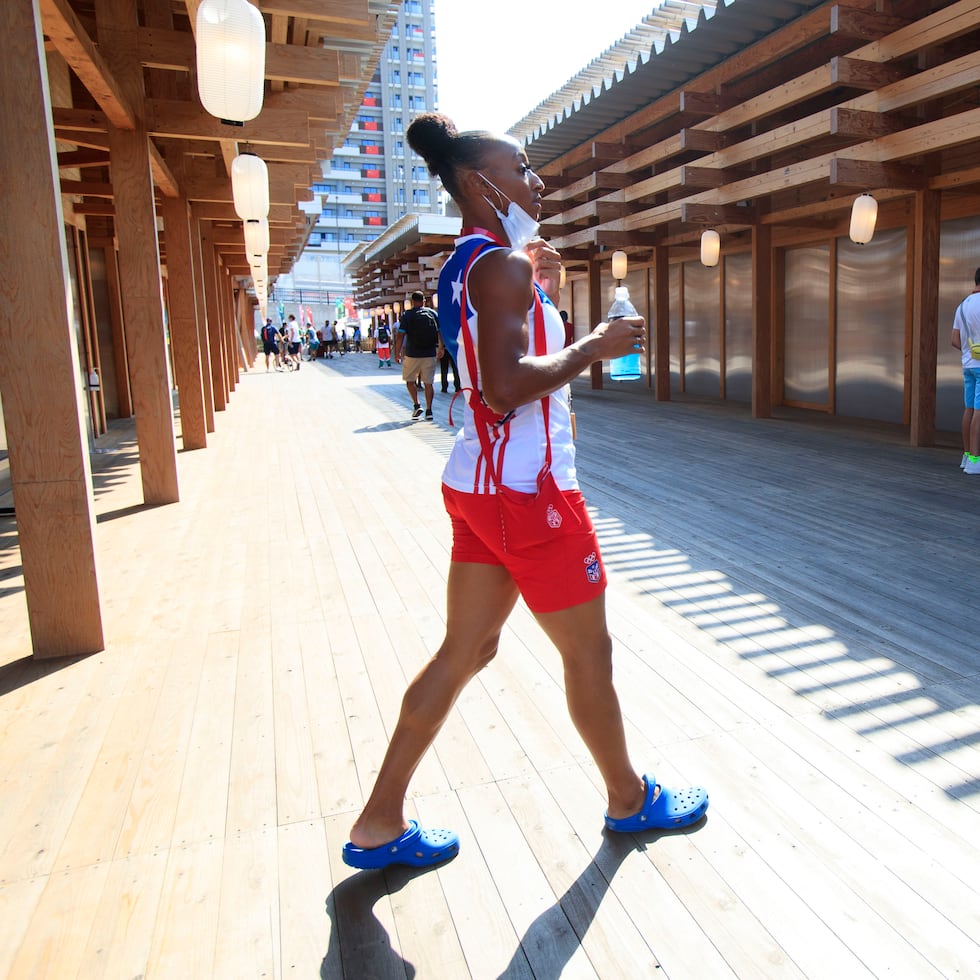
966 339
270 344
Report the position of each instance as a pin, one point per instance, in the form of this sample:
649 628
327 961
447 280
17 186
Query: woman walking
519 521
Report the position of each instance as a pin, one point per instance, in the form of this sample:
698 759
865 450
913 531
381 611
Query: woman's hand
546 263
626 335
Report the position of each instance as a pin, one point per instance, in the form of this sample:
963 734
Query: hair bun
431 135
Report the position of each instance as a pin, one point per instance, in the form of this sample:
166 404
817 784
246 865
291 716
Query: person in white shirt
966 339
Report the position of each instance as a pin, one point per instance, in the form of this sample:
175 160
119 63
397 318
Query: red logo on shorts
553 518
593 568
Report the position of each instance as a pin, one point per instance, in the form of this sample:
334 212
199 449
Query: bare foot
632 806
366 835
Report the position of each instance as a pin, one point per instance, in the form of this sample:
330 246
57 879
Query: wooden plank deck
791 602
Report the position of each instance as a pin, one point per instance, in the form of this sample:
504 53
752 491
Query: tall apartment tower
374 178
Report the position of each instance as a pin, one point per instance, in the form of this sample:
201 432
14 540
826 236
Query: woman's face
507 169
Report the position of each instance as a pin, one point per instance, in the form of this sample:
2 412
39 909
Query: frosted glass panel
674 302
738 327
871 327
806 336
959 256
702 330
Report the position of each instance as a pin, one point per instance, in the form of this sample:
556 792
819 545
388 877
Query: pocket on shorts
528 520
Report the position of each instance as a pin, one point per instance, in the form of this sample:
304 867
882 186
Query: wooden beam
341 12
723 214
872 175
864 125
320 104
702 140
703 177
79 120
185 120
863 25
217 211
67 33
80 159
305 66
175 51
855 73
621 239
703 103
86 188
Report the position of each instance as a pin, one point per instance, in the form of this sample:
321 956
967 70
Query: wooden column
247 327
661 323
925 316
209 263
596 312
120 359
183 322
139 260
90 334
231 331
40 381
762 280
246 340
203 344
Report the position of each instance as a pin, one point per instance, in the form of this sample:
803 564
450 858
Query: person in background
569 328
519 521
966 339
312 342
446 362
357 338
294 340
383 344
270 344
415 349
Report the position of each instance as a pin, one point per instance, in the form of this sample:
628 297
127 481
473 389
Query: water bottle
626 368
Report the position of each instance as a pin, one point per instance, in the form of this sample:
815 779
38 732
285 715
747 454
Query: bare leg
582 639
974 445
480 598
967 426
413 391
429 389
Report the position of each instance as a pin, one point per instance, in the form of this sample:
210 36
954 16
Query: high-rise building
374 178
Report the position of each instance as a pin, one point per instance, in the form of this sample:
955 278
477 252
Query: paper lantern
230 59
250 186
620 265
864 217
257 236
710 247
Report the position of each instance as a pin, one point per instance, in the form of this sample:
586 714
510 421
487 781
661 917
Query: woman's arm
500 288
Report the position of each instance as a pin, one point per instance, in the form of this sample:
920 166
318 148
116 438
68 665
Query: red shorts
564 571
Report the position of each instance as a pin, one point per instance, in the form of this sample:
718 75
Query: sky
527 51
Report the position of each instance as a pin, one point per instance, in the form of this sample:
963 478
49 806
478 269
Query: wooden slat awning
320 57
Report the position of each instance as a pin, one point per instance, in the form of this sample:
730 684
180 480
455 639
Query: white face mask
519 226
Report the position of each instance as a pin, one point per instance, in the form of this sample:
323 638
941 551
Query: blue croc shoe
417 848
671 808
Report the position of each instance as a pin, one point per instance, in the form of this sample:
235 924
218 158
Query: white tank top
518 443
